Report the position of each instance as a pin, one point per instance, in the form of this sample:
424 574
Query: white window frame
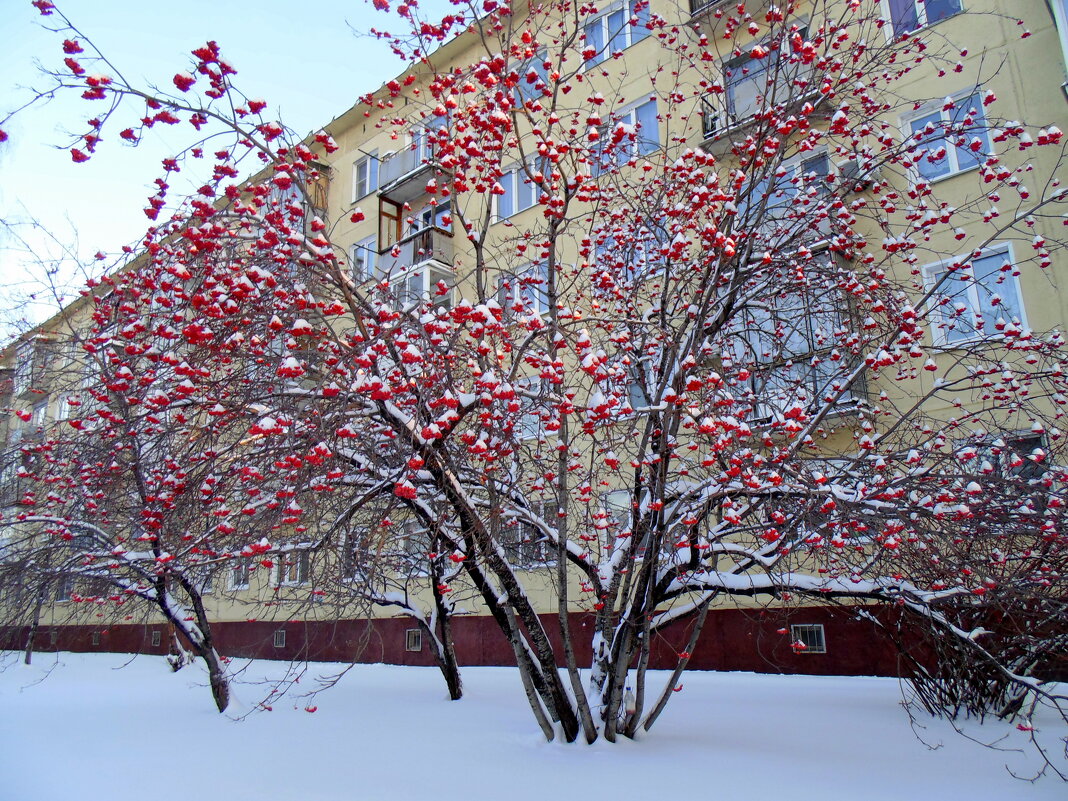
525 544
63 407
39 414
522 193
644 260
530 285
65 589
239 573
362 186
528 424
817 638
999 448
789 368
293 568
642 145
920 7
363 257
616 40
156 638
413 640
25 354
940 332
945 119
530 92
279 638
204 578
428 273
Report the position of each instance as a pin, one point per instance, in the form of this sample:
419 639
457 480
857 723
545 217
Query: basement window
157 638
280 639
810 635
413 640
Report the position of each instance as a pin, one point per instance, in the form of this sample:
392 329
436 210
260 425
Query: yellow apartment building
653 83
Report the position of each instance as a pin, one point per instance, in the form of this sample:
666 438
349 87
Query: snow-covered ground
103 726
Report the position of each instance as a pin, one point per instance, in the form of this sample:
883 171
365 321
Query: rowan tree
757 352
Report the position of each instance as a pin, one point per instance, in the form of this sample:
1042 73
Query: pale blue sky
303 58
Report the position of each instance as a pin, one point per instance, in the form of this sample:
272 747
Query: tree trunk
450 667
220 683
31 635
445 653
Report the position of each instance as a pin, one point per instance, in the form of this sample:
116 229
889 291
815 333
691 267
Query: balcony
428 244
699 8
403 175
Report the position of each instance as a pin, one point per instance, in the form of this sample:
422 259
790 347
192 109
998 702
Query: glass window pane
526 191
958 315
932 144
903 16
617 29
649 136
940 9
640 31
595 39
965 108
506 202
745 89
993 283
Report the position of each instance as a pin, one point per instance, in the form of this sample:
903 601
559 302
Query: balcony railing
701 6
398 172
428 244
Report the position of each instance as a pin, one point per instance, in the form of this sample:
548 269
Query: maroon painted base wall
732 639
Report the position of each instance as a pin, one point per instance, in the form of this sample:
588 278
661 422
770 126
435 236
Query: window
94 638
157 638
976 300
520 193
64 588
791 203
431 216
1009 456
807 638
413 640
617 504
294 567
24 355
525 543
612 32
791 338
364 176
529 424
240 570
908 15
38 416
364 256
421 284
533 80
947 141
638 258
90 373
754 84
527 292
635 132
280 638
203 577
63 407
